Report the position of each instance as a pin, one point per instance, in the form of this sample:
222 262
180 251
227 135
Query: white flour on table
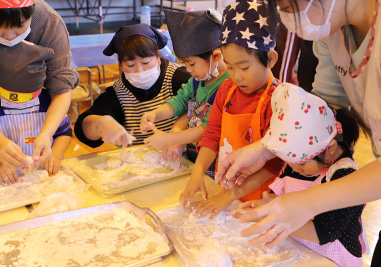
114 238
194 239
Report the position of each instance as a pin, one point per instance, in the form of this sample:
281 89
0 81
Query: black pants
376 260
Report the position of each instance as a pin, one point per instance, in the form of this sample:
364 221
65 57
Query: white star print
251 45
239 17
246 34
267 40
224 19
253 5
262 21
233 5
225 33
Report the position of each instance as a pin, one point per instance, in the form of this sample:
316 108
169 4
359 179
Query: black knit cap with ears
137 29
193 33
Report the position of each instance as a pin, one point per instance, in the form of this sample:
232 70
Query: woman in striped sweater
147 81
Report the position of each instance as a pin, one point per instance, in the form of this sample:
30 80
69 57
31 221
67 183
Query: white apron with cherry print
335 251
362 85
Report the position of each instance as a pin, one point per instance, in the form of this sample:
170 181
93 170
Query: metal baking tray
115 181
144 214
21 199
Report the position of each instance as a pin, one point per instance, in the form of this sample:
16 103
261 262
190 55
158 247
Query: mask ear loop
325 157
325 160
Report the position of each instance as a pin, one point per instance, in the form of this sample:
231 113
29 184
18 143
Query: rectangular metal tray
37 198
83 166
144 214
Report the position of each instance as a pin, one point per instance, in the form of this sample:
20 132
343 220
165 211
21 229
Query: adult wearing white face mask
147 81
34 53
348 45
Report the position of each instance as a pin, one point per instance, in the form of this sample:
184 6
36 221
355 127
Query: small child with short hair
316 142
195 37
241 112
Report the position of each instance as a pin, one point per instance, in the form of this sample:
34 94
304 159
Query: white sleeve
327 83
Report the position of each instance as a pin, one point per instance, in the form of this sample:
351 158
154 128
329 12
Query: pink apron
334 251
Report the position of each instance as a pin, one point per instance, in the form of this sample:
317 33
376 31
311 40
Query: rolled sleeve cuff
63 81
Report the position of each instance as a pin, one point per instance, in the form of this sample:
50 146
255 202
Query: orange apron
241 130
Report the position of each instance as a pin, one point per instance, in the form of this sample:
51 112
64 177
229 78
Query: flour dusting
119 172
114 238
217 242
33 187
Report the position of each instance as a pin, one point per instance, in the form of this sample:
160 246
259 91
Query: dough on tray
36 177
214 255
59 183
152 158
128 157
57 202
113 163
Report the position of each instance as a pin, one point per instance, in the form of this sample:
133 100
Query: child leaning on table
195 37
35 54
147 81
21 135
316 144
241 111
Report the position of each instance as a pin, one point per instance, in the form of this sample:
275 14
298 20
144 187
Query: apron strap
229 94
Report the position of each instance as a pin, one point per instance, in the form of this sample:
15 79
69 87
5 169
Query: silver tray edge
138 211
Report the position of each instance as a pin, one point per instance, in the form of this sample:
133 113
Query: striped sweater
127 104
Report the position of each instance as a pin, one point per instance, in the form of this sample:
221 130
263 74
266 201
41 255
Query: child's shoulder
226 85
274 85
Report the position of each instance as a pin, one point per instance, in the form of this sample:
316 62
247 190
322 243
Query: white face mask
145 79
210 74
305 29
16 40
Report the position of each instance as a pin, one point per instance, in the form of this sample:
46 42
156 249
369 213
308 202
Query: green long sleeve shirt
186 93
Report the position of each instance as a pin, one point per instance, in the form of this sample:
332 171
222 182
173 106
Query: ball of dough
113 163
129 157
152 158
30 160
59 183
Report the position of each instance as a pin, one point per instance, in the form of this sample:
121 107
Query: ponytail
351 124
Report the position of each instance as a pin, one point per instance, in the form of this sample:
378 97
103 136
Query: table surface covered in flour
136 172
25 193
189 239
117 234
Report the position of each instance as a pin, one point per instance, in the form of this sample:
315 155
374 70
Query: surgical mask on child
15 40
210 74
145 79
304 28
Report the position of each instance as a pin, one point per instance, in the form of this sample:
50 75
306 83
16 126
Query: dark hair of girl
352 125
14 17
137 45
